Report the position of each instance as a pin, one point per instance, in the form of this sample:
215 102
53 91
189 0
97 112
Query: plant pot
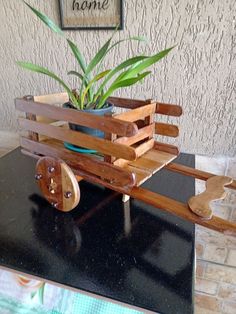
86 130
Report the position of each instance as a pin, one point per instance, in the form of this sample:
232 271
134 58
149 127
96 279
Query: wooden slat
161 202
169 110
162 157
101 145
52 99
79 161
166 129
90 178
126 102
121 128
200 204
141 175
161 108
166 148
141 135
143 148
137 114
198 174
182 210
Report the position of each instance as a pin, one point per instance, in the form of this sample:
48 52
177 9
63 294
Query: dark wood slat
166 148
101 145
161 108
182 210
169 110
198 174
110 125
107 171
127 103
166 129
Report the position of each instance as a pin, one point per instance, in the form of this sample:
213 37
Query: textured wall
199 74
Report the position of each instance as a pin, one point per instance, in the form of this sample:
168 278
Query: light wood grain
137 114
108 124
77 138
198 174
200 204
56 180
52 99
174 207
145 132
143 148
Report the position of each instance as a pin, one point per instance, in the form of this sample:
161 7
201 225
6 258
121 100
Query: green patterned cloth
20 295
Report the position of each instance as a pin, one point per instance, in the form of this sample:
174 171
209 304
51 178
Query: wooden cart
127 156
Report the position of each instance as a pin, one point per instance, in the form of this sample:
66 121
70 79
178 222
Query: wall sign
91 14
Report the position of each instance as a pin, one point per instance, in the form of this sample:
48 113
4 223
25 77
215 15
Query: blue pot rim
101 110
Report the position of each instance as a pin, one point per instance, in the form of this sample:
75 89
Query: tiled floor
215 289
216 253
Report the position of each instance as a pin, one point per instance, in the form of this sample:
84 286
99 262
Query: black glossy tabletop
133 253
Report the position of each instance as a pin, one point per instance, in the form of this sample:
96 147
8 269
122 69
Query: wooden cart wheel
57 183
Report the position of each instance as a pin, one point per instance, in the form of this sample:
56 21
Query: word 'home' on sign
90 5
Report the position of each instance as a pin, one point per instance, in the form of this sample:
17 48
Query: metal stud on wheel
58 183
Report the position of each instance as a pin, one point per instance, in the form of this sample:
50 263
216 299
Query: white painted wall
199 74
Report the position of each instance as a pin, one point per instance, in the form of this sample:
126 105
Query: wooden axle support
128 155
70 193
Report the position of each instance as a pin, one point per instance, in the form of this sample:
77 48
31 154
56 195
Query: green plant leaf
46 20
98 57
42 70
145 64
120 67
95 79
79 75
78 55
124 83
138 38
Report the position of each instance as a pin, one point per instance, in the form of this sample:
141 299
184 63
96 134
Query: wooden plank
57 183
143 148
52 99
34 136
126 102
161 108
141 175
166 148
101 145
159 156
163 203
108 124
142 133
78 161
169 110
182 210
198 174
152 161
110 137
200 204
166 129
137 114
79 173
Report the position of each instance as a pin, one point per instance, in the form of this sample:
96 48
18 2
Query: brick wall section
215 285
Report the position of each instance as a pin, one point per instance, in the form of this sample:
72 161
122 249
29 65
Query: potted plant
96 85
